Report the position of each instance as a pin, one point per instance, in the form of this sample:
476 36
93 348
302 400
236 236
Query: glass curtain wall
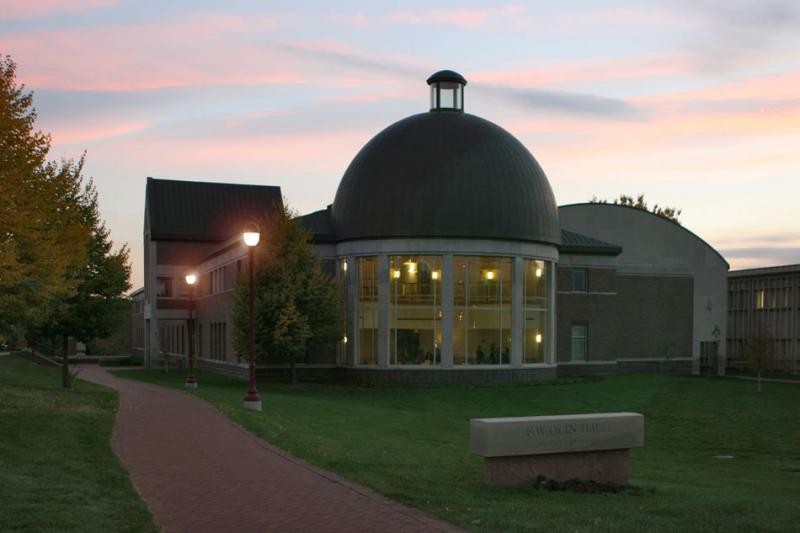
415 303
368 310
536 336
482 310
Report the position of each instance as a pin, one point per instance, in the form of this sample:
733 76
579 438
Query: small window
164 287
580 280
579 341
760 298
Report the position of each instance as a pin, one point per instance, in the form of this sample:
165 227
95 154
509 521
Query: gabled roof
202 211
577 243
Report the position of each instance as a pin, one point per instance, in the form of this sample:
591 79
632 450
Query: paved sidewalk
198 471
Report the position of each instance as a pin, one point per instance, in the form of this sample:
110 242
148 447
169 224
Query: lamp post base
190 384
252 405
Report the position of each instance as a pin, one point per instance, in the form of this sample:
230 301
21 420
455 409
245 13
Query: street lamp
251 236
191 382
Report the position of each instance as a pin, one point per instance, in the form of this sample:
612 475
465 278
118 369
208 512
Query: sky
695 104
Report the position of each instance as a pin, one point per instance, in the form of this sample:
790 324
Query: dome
445 175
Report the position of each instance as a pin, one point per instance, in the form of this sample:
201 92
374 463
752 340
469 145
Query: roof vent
447 91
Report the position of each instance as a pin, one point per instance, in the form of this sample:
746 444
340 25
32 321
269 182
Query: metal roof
448 175
577 243
446 75
319 225
780 270
203 211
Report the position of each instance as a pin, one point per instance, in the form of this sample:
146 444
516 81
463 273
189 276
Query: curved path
199 471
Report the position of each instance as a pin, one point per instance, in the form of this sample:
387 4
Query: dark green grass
411 444
57 469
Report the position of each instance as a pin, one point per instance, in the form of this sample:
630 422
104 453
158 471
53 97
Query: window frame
585 274
573 338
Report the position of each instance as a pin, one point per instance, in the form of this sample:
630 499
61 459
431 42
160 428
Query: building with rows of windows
765 302
455 264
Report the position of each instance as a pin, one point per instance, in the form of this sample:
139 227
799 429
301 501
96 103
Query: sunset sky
694 103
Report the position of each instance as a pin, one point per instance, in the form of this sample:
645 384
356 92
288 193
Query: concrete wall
654 246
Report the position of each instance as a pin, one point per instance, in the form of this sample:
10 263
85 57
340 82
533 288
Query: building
455 263
663 297
194 227
765 302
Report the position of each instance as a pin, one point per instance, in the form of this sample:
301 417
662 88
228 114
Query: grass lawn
57 469
411 444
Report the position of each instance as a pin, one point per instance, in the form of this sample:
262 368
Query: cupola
447 91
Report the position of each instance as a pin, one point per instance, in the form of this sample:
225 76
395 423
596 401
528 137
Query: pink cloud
357 20
65 134
27 9
462 18
236 51
151 55
594 71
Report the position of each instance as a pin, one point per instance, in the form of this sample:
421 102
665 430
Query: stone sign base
608 467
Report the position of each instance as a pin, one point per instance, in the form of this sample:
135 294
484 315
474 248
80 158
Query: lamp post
191 382
251 236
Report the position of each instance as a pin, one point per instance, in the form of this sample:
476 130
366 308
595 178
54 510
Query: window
415 303
368 310
760 298
217 340
217 280
580 280
164 287
224 341
537 275
579 341
482 310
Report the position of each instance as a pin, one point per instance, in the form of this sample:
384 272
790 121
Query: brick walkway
198 471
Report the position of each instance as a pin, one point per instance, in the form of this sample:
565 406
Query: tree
670 213
296 305
759 352
98 305
58 274
42 238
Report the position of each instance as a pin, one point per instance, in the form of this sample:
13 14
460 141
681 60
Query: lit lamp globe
251 235
191 279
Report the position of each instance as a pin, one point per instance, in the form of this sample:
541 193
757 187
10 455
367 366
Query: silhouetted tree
639 202
759 352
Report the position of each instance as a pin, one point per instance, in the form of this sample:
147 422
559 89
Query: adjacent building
455 265
765 302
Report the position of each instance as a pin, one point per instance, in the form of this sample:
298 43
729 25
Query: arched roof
449 175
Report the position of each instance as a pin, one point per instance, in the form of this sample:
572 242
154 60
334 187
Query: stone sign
592 447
